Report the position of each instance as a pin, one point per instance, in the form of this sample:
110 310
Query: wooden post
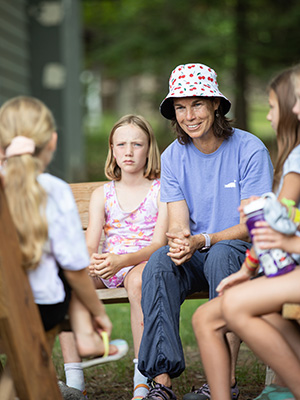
22 335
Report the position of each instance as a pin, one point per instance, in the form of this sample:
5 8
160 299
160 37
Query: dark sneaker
160 392
203 393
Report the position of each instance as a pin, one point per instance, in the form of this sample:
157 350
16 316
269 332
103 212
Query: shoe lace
164 393
204 389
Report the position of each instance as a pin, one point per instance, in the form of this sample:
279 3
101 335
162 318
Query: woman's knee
158 262
218 263
224 258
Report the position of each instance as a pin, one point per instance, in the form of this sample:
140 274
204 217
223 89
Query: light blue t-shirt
213 185
66 242
291 164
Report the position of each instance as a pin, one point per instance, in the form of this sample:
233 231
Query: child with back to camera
134 221
251 308
48 225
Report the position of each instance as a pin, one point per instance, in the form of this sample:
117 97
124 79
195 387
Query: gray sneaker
203 393
160 392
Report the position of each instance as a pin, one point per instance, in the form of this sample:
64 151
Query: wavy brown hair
288 130
295 75
26 116
152 166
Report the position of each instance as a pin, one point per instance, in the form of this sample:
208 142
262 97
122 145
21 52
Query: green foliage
127 37
240 39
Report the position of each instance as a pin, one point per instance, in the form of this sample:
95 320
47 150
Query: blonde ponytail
26 198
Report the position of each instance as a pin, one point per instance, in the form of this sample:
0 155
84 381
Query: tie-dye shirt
128 232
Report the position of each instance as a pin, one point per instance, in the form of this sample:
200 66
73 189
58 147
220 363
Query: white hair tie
20 145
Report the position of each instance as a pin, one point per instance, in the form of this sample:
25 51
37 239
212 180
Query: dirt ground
115 382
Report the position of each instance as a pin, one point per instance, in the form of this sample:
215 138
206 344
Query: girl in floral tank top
134 221
128 232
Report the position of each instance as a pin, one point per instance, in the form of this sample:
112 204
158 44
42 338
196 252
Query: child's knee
231 308
134 293
198 320
202 319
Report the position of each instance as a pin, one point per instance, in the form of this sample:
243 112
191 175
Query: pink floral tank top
127 232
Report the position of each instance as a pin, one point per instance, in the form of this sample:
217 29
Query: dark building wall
14 50
40 55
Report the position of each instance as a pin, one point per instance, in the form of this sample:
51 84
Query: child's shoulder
99 192
59 193
52 183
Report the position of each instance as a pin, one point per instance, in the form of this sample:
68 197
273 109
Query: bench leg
7 389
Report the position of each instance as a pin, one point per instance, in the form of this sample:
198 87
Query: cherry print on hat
188 80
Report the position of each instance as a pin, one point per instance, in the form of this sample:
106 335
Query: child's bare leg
67 339
234 344
133 285
88 341
68 347
291 331
210 329
243 307
72 361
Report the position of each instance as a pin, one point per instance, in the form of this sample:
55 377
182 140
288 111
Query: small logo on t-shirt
231 184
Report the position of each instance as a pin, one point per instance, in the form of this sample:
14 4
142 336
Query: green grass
122 371
114 381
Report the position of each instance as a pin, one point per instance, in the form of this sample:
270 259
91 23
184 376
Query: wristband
250 263
296 218
289 205
251 258
207 241
251 268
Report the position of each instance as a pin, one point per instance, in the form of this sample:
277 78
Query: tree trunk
240 111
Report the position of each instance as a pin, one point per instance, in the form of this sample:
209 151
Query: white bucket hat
189 80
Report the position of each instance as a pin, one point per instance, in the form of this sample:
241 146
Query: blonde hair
29 117
152 166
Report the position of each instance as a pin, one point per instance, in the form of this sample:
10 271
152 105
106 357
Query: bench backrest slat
82 194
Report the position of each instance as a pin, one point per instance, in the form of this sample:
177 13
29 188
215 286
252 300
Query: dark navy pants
165 287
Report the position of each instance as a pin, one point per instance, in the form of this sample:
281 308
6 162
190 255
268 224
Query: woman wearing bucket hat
207 173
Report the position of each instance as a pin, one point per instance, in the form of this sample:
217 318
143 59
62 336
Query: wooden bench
291 311
82 193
